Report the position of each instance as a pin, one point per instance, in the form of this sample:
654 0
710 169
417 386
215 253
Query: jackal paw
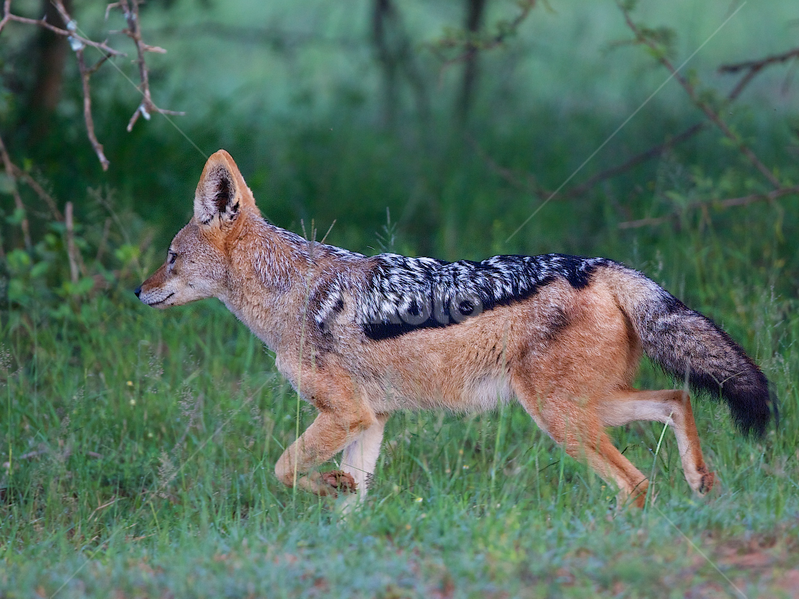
706 482
338 481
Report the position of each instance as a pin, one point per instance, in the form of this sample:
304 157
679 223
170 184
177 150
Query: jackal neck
273 276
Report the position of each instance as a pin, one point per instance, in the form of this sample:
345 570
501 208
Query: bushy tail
689 345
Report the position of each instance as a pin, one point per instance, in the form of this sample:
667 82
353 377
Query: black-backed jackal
361 337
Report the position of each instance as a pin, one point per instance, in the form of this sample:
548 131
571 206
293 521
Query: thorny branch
14 174
756 65
78 43
68 33
635 160
656 150
751 68
131 12
474 45
711 114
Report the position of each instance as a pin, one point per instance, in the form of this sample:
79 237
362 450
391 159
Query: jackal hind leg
328 434
574 424
672 407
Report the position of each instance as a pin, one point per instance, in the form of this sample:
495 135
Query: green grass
158 433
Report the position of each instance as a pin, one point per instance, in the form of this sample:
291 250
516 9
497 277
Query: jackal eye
172 257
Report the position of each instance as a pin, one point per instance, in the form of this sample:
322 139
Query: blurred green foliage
297 102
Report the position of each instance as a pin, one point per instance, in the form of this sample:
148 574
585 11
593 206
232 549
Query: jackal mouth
161 301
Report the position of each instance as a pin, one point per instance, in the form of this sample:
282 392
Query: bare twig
756 197
10 173
652 152
759 63
39 191
131 12
753 67
71 250
728 203
97 65
645 222
529 183
6 14
85 74
641 38
68 33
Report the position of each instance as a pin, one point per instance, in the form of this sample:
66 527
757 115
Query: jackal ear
221 191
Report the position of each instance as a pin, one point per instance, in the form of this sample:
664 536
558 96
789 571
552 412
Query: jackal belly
472 394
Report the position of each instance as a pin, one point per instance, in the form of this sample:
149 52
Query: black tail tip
752 412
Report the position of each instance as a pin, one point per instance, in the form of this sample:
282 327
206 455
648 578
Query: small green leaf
16 217
18 260
127 253
85 285
39 269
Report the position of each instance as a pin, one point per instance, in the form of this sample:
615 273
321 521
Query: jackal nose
137 291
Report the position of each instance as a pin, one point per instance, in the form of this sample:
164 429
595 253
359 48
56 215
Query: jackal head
196 264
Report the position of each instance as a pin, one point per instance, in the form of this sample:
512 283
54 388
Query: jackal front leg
330 433
360 456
